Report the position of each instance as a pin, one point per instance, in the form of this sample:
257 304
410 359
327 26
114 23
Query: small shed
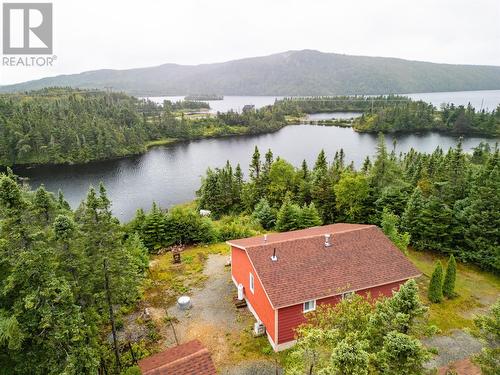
185 359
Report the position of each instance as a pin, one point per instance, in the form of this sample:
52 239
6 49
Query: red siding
240 270
289 318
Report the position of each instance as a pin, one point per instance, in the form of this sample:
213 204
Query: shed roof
186 359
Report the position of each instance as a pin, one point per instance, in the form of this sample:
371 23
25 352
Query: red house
283 276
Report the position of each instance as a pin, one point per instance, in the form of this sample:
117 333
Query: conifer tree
412 219
309 216
450 278
288 217
264 214
435 292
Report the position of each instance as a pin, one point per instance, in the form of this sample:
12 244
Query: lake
171 174
486 99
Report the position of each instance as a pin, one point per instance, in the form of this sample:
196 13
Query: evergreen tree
450 278
402 355
435 292
264 214
288 217
412 218
309 216
153 231
43 203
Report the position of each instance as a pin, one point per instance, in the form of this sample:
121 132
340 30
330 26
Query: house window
251 283
310 305
347 295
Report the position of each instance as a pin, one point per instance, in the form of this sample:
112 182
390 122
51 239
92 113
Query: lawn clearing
476 289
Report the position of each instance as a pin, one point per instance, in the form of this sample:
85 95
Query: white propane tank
240 292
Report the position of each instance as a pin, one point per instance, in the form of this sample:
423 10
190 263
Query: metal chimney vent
265 237
274 258
327 240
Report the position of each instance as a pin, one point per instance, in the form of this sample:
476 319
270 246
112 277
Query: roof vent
274 258
327 240
265 237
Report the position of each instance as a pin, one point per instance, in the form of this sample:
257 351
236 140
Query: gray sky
95 34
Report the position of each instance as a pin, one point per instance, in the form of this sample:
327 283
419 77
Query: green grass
476 291
168 280
161 142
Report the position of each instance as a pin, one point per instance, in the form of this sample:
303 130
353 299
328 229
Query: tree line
63 125
63 277
446 202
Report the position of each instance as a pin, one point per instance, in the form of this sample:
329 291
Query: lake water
171 174
486 99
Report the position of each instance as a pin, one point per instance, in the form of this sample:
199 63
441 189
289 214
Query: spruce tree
412 220
288 216
435 292
450 278
264 214
309 216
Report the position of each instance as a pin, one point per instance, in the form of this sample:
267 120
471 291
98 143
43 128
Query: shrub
231 227
436 285
450 278
185 226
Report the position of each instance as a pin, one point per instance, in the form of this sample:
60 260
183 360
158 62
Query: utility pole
111 315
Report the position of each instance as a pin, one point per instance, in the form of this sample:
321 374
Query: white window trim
310 309
251 283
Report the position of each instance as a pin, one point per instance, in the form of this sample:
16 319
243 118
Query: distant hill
304 72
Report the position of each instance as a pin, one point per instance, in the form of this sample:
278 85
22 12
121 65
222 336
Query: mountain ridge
303 72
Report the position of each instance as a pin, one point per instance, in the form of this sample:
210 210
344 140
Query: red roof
360 257
191 358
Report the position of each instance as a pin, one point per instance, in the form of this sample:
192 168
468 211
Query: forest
63 277
393 113
447 201
90 270
68 126
62 125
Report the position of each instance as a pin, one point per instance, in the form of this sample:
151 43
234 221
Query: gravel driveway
456 346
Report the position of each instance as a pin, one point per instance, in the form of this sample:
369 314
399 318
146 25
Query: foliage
53 262
448 202
265 214
450 278
63 125
436 284
489 332
356 337
390 228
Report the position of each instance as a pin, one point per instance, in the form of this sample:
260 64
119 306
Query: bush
450 278
231 227
185 226
134 370
436 285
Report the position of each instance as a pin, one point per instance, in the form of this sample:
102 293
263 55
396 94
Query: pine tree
309 216
288 216
389 227
412 220
264 214
450 278
43 202
255 165
435 292
153 231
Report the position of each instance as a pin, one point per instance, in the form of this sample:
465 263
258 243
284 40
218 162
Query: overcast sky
95 34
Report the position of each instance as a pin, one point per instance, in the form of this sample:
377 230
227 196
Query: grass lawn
167 281
476 290
161 142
